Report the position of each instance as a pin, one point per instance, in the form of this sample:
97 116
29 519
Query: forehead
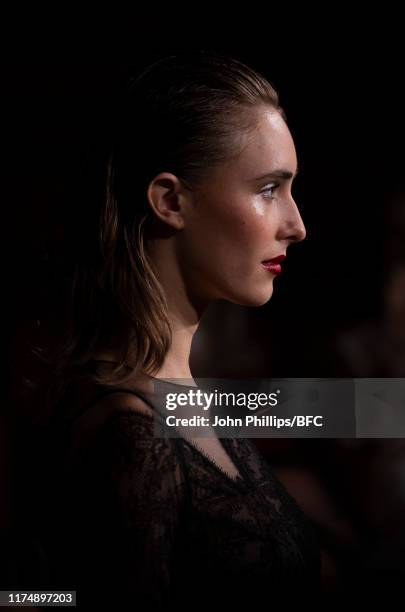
267 147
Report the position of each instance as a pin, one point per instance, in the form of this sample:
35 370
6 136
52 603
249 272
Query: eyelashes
268 192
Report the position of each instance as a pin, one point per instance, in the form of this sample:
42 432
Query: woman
197 203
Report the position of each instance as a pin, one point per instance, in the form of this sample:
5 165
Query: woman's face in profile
242 218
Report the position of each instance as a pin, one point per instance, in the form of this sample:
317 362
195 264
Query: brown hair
185 113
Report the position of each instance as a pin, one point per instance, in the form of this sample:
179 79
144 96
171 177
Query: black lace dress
137 522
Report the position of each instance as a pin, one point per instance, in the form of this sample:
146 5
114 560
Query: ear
168 199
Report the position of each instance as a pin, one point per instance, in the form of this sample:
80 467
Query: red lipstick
273 265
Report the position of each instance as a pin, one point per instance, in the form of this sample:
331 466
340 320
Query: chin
252 299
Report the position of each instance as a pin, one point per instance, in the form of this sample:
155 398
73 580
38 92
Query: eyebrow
278 173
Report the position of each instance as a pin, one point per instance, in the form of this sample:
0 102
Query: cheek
259 207
235 233
241 220
249 227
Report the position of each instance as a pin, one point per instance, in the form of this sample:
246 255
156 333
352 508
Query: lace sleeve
135 482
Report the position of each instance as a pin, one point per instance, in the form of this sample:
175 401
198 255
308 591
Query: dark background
338 307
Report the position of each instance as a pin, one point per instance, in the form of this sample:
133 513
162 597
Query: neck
175 364
184 323
184 311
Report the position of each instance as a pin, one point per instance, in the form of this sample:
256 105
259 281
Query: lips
277 259
273 265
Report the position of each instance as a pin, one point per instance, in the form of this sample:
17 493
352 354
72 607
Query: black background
340 81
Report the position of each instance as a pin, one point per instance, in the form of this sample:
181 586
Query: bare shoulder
125 401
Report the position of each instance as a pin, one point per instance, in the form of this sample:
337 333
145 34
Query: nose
294 227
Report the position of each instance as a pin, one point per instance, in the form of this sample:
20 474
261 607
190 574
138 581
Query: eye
268 192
